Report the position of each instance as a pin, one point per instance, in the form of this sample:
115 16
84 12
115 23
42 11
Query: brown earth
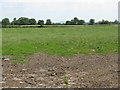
45 71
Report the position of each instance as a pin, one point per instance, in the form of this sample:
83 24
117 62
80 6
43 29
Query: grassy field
20 43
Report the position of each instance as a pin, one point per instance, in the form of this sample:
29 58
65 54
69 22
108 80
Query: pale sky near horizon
60 10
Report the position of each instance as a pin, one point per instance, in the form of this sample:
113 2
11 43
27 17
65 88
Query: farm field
61 57
20 43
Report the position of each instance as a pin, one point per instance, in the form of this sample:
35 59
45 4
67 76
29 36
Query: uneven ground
47 71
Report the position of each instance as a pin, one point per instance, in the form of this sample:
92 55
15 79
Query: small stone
6 59
17 79
2 82
53 74
24 69
93 50
22 82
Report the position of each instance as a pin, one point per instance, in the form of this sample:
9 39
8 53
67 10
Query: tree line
25 21
32 21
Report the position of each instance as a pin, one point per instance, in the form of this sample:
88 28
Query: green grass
65 80
63 41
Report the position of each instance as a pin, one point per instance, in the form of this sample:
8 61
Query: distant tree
91 21
72 22
48 22
104 22
32 21
14 19
0 22
116 22
75 20
23 21
41 22
68 22
5 21
14 22
81 22
99 22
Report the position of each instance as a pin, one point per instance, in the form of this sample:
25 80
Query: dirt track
44 71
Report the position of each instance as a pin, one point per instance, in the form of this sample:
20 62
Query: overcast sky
60 10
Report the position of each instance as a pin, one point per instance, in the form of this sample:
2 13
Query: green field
67 41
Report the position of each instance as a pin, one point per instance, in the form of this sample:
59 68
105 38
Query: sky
60 10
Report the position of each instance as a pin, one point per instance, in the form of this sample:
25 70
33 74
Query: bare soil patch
45 71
